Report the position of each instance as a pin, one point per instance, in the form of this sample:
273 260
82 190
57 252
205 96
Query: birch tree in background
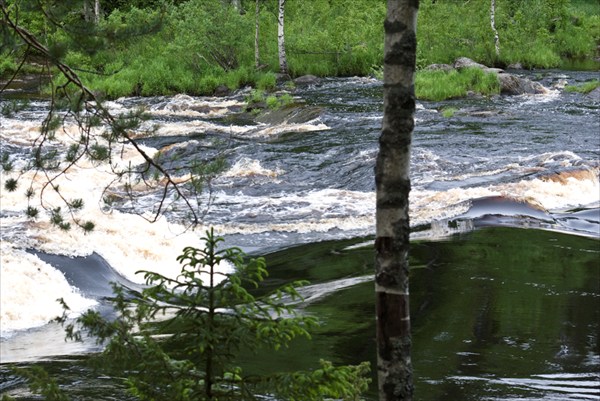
92 12
283 67
237 5
394 366
493 24
256 36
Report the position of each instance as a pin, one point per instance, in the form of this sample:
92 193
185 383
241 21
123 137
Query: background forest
152 47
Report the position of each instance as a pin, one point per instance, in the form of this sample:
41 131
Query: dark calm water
505 279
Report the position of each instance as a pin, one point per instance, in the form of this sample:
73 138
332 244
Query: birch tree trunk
283 68
237 5
97 11
91 13
256 26
392 181
493 23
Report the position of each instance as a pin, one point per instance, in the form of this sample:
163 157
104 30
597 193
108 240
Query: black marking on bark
403 52
394 26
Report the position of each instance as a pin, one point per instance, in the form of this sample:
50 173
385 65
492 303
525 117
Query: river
505 210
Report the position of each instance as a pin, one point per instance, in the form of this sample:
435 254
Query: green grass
583 88
449 112
440 85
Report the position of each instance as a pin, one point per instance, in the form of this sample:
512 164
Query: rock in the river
305 80
513 85
510 84
595 94
222 91
292 114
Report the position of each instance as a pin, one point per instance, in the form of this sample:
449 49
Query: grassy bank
196 46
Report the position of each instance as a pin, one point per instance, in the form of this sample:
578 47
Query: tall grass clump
440 85
586 87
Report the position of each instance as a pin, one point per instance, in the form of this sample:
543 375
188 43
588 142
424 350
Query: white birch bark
392 179
493 24
283 67
256 34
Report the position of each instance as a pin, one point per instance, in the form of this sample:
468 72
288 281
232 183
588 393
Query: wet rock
513 85
222 91
282 78
293 114
515 66
595 94
306 80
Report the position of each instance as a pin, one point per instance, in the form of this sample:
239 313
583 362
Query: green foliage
40 382
181 338
440 85
10 185
152 47
5 162
535 33
449 111
7 64
583 88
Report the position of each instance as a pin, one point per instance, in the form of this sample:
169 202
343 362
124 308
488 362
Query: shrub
181 338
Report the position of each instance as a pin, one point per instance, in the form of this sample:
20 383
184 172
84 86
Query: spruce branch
91 101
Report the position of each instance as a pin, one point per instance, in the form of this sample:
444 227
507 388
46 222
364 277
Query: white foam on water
30 289
246 167
127 242
190 106
267 131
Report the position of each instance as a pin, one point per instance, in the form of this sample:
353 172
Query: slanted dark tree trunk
393 185
283 67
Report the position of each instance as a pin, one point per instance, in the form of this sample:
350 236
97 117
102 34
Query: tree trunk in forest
283 68
91 14
392 181
493 23
97 11
237 5
256 26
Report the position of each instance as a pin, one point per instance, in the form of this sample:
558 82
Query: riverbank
203 48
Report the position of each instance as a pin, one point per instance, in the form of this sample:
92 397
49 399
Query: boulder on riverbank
306 80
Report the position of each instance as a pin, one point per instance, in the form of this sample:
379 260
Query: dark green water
487 307
498 313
